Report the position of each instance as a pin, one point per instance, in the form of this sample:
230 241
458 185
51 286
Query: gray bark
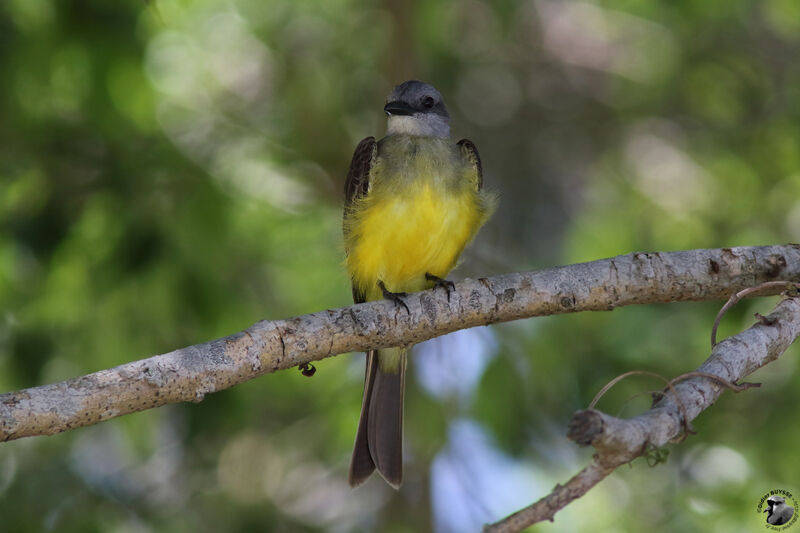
620 441
188 374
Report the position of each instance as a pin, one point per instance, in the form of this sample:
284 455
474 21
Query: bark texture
188 374
619 441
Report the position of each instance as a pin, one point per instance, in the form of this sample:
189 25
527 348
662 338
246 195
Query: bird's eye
428 102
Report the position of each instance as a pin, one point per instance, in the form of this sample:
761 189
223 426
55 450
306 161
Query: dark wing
470 152
357 183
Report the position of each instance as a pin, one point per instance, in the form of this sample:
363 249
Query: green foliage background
171 172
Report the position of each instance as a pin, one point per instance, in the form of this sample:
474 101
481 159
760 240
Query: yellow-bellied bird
413 201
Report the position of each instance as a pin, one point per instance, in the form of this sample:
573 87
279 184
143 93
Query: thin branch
619 378
735 387
188 374
560 497
619 441
737 297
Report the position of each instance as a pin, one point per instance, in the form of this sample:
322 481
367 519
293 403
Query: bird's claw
446 284
396 297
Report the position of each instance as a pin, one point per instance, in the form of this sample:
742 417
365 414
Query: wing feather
357 184
470 152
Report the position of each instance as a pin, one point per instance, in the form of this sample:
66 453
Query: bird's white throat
422 126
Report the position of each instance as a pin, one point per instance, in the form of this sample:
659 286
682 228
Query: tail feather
361 464
379 440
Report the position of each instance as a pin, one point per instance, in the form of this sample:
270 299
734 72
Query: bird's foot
447 285
396 297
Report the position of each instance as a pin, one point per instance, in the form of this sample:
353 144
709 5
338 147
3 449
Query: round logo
779 508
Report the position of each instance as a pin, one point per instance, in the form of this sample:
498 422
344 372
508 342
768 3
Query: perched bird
413 201
778 512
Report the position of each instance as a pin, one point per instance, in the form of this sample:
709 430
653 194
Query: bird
413 200
778 512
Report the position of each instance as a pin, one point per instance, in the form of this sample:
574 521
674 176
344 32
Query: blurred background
172 172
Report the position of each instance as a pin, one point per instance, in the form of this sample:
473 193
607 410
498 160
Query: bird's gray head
416 108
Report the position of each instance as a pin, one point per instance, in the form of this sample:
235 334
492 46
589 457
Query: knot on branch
585 426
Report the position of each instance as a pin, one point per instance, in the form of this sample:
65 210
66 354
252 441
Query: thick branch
619 441
188 374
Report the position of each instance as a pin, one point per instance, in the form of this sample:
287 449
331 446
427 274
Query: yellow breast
398 236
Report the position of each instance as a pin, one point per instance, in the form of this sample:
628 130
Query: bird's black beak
398 108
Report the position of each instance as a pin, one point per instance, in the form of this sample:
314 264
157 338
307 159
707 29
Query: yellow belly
398 238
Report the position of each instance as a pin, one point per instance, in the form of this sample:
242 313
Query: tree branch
188 374
620 441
